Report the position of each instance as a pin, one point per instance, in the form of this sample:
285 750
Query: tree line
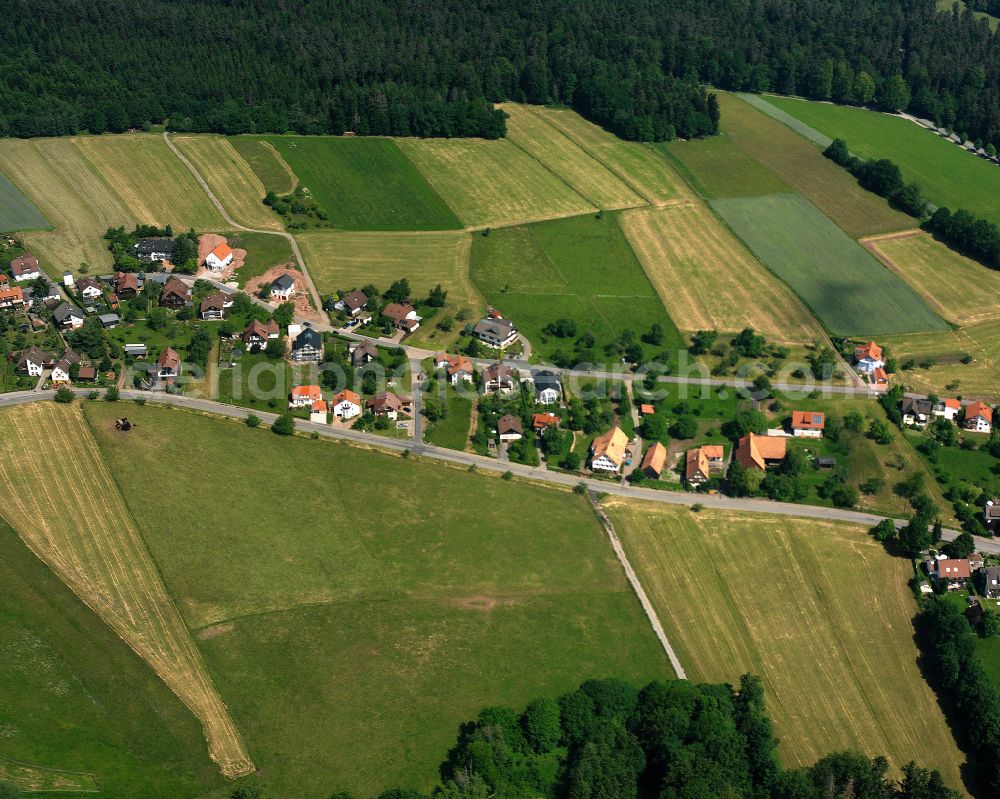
433 68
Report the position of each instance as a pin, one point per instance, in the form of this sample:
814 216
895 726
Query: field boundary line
633 580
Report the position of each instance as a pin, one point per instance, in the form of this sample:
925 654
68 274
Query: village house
126 285
346 405
878 379
68 316
548 388
389 405
978 417
991 587
175 294
307 346
509 428
952 572
947 409
808 424
701 462
25 268
61 368
318 412
916 412
214 305
89 288
155 249
11 297
498 378
168 365
303 396
654 461
363 352
991 516
457 367
283 287
542 421
219 258
496 333
759 452
608 451
352 303
256 334
868 358
33 362
647 409
976 561
402 315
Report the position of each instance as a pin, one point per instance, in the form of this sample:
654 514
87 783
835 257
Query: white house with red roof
808 424
868 358
318 411
951 571
978 418
305 396
219 258
947 409
346 405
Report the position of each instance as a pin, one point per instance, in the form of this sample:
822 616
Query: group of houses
497 377
66 368
346 404
870 362
954 574
976 417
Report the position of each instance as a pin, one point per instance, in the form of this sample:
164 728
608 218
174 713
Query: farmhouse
868 358
12 297
257 333
916 412
283 287
496 333
402 315
498 378
305 395
808 424
353 303
219 258
654 461
88 288
214 306
759 452
389 405
318 412
952 572
175 293
168 365
947 409
346 405
548 389
457 367
33 362
307 346
363 352
126 285
509 428
978 417
607 452
992 584
68 316
542 421
700 463
25 268
155 249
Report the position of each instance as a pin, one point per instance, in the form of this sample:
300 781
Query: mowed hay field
492 183
354 627
81 712
529 129
644 170
365 183
17 211
949 175
69 512
231 179
818 609
842 283
266 163
961 290
707 278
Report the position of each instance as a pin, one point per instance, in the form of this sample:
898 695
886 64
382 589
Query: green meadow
17 212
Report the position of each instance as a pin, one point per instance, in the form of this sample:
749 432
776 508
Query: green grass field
267 164
365 183
717 167
949 5
452 432
17 211
263 252
581 269
949 175
845 287
818 609
352 625
80 711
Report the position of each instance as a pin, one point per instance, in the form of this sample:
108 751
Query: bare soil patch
303 305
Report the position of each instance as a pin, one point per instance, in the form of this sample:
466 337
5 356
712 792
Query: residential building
646 409
352 303
257 334
33 362
759 452
126 285
363 352
548 388
916 412
12 297
991 515
868 358
68 316
214 306
509 428
283 287
346 405
878 379
168 365
109 320
654 461
976 561
402 315
702 462
608 451
498 378
947 409
25 268
303 396
457 367
992 585
951 571
808 424
307 346
496 333
155 249
61 368
389 405
219 258
175 294
978 417
87 374
88 288
318 412
540 422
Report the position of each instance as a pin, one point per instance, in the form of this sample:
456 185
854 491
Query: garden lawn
817 609
949 175
365 183
352 637
452 431
257 382
580 269
844 285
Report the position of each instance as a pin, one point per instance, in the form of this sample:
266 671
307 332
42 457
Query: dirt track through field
62 500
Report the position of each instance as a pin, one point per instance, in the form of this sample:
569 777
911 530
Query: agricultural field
365 183
959 289
644 170
948 175
717 167
88 538
267 164
330 642
529 130
580 269
492 183
818 609
16 211
791 159
858 296
231 179
708 280
81 712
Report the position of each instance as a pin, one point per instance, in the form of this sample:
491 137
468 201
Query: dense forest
432 68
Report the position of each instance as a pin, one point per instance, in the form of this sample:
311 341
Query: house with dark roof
155 249
548 388
991 516
282 287
307 346
257 334
498 378
991 587
509 428
68 316
175 294
363 352
109 320
915 412
353 303
496 333
61 369
33 362
89 288
25 268
402 315
214 306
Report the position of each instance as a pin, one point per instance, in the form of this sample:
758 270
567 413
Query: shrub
64 395
284 425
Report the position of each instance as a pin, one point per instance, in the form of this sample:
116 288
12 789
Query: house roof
954 404
454 363
497 328
126 280
808 420
952 568
222 252
544 378
714 451
979 409
645 409
611 445
656 457
151 245
169 359
177 288
508 423
65 311
319 406
86 283
498 372
993 509
87 373
346 396
754 451
385 401
34 355
311 393
869 350
355 300
284 282
397 311
915 406
366 347
24 264
70 356
14 293
214 302
879 375
696 461
539 421
307 338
